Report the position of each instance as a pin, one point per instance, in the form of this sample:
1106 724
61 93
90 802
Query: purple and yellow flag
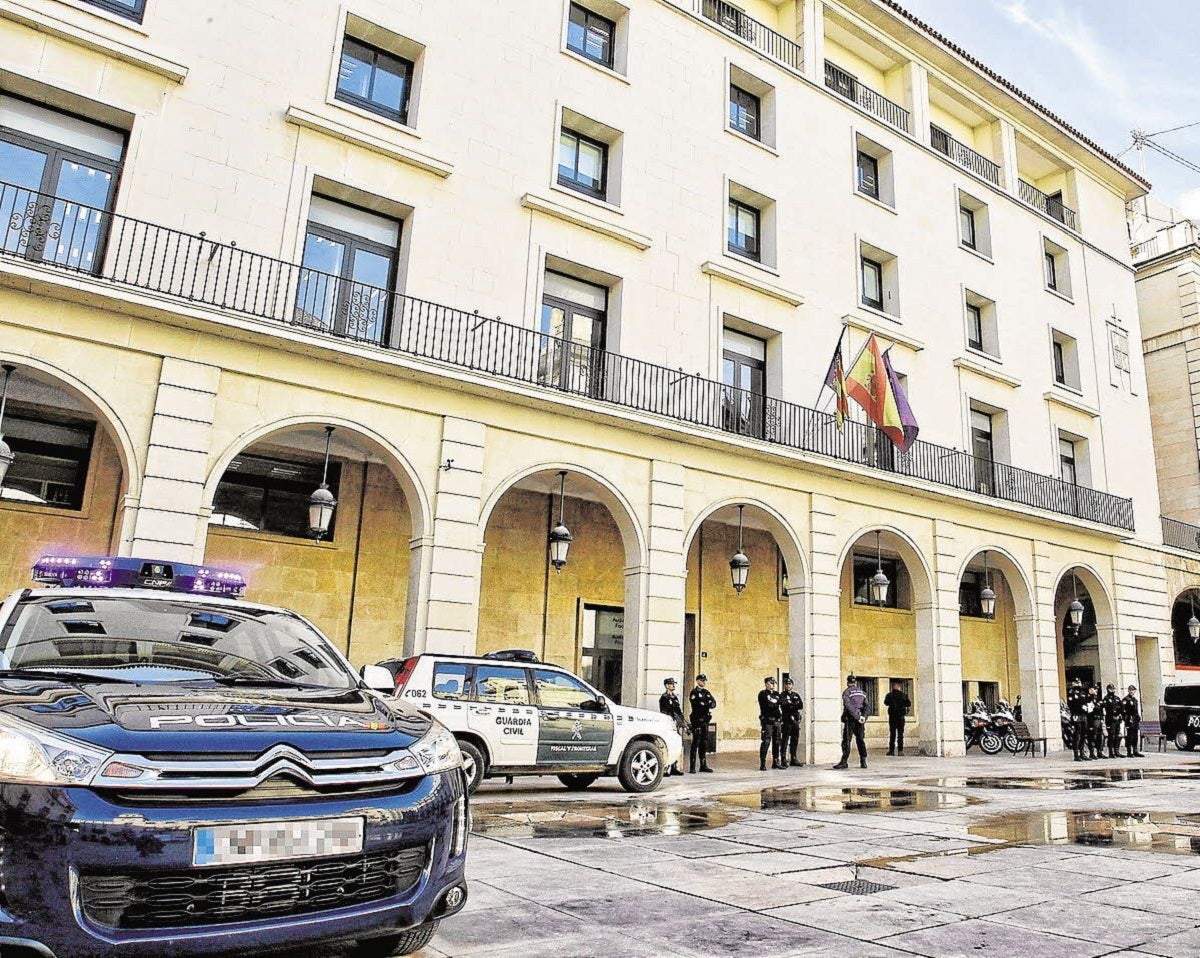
875 386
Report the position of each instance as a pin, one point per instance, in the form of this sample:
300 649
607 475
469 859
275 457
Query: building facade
588 264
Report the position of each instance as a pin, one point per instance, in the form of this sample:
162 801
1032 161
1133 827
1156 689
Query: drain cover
860 886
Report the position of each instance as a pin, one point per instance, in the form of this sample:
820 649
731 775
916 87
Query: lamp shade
987 601
739 571
879 587
1194 628
560 545
321 505
1076 610
6 460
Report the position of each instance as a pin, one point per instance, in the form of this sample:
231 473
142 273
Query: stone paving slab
866 918
1185 944
1093 921
1039 877
961 898
983 938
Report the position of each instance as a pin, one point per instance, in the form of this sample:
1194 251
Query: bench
1025 742
1152 730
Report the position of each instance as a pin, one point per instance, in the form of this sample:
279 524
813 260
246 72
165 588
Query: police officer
791 704
1113 710
770 717
897 704
1095 714
668 704
1077 699
1131 709
702 702
854 721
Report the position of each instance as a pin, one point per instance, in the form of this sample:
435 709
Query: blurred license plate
272 841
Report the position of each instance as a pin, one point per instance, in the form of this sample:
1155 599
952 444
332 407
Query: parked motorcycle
1004 723
978 730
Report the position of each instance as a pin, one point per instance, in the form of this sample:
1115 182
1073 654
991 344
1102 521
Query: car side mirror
378 679
598 704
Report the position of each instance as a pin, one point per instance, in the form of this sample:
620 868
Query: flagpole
836 349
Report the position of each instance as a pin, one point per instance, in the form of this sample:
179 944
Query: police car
185 773
513 715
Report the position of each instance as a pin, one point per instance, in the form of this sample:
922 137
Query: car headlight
31 755
438 750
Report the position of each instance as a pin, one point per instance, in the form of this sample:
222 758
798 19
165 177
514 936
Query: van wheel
474 764
577 782
1184 742
408 941
641 768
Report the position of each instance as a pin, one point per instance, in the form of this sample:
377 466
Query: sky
1107 67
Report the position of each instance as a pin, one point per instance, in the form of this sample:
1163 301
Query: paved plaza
914 856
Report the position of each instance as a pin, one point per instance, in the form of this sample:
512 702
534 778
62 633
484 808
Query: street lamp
987 598
1076 607
560 535
739 565
1193 622
6 454
321 503
879 581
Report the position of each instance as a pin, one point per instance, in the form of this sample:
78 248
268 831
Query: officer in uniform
702 702
1131 709
1095 713
897 705
791 704
1077 698
770 717
1113 710
668 704
854 721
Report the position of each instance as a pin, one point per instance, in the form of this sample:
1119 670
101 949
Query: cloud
1189 204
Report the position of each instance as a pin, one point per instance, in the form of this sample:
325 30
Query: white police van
514 715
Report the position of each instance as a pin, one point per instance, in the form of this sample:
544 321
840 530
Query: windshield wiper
262 681
73 675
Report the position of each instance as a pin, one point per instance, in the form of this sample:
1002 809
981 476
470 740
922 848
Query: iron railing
1181 535
54 232
844 84
963 155
758 35
1052 206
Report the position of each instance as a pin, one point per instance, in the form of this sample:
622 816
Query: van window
556 690
1182 695
504 686
451 680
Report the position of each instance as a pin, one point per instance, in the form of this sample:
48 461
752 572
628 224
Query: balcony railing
844 84
1052 206
963 155
1181 535
758 35
57 233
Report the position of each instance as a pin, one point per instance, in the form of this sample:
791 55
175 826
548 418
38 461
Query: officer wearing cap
1077 700
702 703
1113 711
770 717
1095 736
668 704
854 722
1131 710
791 704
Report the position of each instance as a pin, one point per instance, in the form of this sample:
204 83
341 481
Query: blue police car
186 773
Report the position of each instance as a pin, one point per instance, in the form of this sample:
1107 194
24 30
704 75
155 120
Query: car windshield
157 639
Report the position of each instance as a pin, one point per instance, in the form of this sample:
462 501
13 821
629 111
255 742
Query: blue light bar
129 573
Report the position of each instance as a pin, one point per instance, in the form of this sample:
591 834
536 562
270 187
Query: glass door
744 375
573 326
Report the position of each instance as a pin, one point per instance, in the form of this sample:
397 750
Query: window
990 693
865 568
582 163
868 175
872 283
51 459
557 690
591 35
502 685
1051 270
1064 358
451 680
745 112
966 225
974 326
906 686
573 326
133 9
743 230
263 494
63 173
1056 266
980 313
1060 366
744 373
1066 460
983 449
349 269
374 79
969 588
870 688
974 225
600 656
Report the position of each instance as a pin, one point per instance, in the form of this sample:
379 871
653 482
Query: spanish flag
874 385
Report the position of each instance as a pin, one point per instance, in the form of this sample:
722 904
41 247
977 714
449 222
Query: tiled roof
1012 88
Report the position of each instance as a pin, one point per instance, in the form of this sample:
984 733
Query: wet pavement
977 856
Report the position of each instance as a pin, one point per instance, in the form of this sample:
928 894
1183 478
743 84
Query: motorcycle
1004 723
978 730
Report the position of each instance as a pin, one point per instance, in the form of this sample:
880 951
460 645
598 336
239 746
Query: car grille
214 896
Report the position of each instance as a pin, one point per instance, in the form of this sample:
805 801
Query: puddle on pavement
826 798
1169 832
1182 773
595 819
1049 783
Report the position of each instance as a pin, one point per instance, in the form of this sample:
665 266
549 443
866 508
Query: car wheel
474 764
405 943
1184 742
577 782
990 743
641 768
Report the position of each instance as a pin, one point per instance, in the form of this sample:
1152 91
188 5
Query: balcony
1052 206
962 155
1181 535
845 85
756 34
54 233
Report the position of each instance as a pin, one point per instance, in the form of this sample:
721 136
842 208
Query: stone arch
1098 591
785 535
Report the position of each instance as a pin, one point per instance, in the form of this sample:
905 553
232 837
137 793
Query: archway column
1037 711
1039 650
939 651
170 521
823 668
